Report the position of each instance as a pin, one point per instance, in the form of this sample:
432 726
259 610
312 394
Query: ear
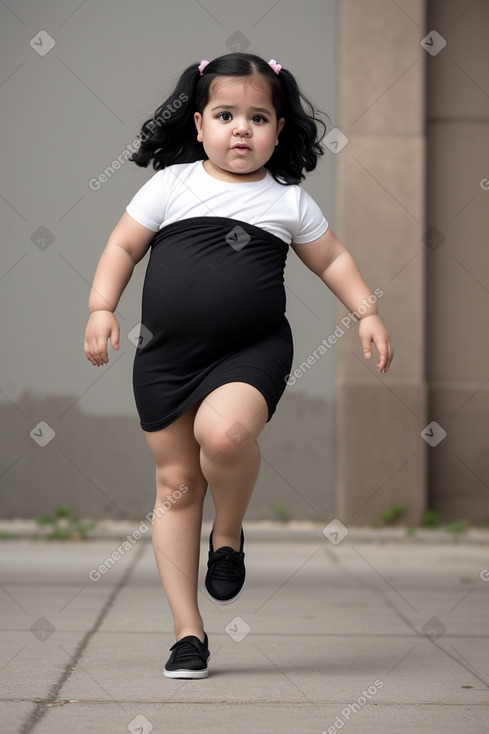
198 125
280 125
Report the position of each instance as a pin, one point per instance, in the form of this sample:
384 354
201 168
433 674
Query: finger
94 359
389 357
88 353
91 359
115 336
101 351
367 348
95 355
383 355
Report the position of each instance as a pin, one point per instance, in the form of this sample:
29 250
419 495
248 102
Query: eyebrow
233 107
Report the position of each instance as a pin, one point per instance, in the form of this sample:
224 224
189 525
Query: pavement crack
43 705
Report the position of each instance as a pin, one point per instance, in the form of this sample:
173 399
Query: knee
178 489
226 445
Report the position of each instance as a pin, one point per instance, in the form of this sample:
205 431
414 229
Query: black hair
169 137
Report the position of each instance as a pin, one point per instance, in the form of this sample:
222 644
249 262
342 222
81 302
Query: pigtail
299 140
170 135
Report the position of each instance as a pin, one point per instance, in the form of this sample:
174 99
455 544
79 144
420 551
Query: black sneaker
188 658
226 573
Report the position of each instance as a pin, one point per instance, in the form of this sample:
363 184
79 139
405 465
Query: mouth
241 146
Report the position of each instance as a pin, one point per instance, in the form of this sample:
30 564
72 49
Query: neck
222 175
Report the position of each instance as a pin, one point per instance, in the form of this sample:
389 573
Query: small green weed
63 525
430 519
456 526
389 516
281 511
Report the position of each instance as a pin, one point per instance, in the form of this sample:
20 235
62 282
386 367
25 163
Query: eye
255 118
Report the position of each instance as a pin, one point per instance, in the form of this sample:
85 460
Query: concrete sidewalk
360 635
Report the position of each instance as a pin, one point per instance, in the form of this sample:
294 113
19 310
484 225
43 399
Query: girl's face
239 113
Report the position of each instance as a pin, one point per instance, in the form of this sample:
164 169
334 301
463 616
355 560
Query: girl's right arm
126 246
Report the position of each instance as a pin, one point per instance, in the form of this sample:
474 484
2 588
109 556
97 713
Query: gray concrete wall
67 113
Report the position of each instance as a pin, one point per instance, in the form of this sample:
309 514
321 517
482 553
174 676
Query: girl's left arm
331 261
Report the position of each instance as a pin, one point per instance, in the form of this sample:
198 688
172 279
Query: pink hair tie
276 67
202 66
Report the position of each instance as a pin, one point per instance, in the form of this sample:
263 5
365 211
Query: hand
101 326
371 329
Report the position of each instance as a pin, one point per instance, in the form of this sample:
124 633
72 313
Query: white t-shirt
186 190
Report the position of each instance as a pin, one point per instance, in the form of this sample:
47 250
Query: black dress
213 312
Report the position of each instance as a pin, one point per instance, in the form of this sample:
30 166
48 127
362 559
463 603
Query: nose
242 127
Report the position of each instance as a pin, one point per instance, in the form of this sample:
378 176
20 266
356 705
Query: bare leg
177 524
226 426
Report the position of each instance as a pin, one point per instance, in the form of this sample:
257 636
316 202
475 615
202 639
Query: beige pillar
381 219
458 264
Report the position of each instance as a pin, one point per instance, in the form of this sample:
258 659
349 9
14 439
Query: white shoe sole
188 674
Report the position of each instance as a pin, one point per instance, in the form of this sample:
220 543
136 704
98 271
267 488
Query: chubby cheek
266 146
217 137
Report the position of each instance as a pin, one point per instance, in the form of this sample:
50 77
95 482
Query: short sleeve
146 206
312 222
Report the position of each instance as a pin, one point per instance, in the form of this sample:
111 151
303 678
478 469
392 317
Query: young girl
230 146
